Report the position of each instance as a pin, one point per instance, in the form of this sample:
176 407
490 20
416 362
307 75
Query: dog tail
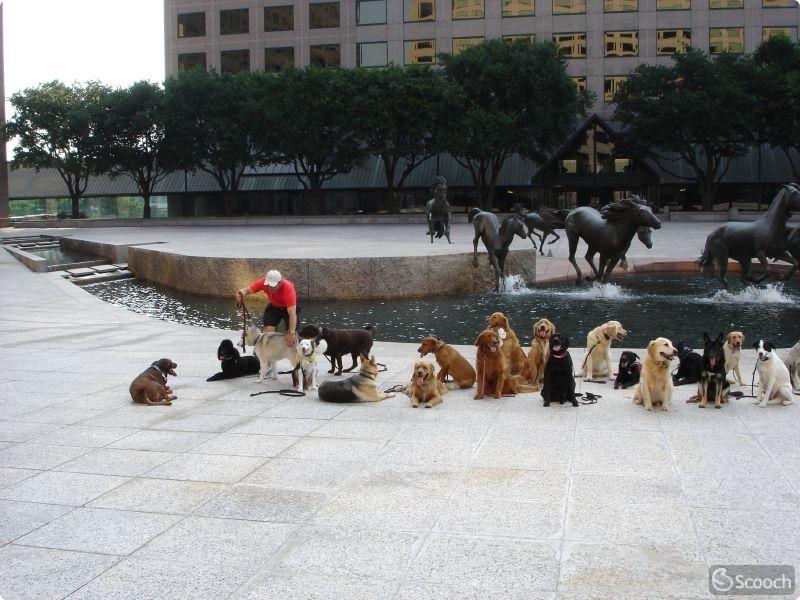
471 214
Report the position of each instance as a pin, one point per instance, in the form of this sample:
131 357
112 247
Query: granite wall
330 279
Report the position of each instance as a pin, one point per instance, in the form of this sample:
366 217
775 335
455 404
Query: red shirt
283 296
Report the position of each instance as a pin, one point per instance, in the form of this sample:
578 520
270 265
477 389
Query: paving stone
86 436
19 518
242 444
314 475
38 456
11 431
114 461
162 441
73 489
256 503
315 587
159 495
208 467
10 476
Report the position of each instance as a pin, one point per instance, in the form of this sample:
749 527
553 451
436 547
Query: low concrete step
102 277
105 268
81 272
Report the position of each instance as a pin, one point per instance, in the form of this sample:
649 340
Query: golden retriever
655 381
517 361
733 348
543 330
597 363
450 363
425 387
493 376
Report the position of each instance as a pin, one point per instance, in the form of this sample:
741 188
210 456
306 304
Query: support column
4 206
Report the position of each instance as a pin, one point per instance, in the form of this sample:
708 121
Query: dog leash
245 320
287 392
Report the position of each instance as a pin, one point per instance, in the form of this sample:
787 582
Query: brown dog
450 363
543 330
150 387
493 376
517 361
425 387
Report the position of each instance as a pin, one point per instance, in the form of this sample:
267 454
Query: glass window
673 4
622 43
193 60
571 45
371 12
192 25
771 32
622 165
569 7
528 37
726 39
325 56
718 4
233 61
778 3
277 59
518 8
418 10
373 54
621 5
460 44
467 9
580 83
278 18
671 41
420 52
323 15
233 22
611 85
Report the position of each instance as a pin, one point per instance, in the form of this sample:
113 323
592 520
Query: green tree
210 118
135 141
698 110
508 98
400 115
56 127
316 114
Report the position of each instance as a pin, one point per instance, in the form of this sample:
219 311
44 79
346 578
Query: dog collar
370 375
160 372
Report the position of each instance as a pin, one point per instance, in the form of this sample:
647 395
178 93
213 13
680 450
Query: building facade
602 39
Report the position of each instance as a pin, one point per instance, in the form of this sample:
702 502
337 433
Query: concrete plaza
224 495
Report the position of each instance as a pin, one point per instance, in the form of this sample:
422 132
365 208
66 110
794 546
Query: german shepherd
713 380
361 387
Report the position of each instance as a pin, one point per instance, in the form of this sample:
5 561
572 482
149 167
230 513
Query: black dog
559 382
713 382
690 367
233 364
629 370
340 342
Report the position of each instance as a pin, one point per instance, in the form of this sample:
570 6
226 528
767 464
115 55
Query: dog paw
701 406
787 402
717 406
313 388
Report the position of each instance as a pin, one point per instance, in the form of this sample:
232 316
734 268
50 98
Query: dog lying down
150 386
361 387
234 364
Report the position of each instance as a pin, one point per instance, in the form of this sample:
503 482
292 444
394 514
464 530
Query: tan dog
543 330
361 387
425 387
515 357
597 363
450 363
733 348
150 386
655 381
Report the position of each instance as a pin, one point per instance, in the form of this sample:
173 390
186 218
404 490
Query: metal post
5 208
758 188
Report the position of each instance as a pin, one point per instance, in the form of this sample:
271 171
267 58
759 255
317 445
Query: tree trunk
707 193
146 212
227 202
76 206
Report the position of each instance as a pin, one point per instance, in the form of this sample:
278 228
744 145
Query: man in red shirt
282 303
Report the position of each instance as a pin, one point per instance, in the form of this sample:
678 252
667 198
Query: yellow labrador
655 381
597 363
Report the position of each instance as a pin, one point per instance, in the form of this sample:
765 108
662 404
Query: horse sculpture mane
616 210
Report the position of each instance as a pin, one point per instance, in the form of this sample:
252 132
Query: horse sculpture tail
471 214
706 263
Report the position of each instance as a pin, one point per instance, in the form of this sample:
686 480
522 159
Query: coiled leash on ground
287 392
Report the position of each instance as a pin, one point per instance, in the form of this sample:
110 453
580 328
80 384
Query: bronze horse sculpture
765 238
437 211
609 232
497 238
547 222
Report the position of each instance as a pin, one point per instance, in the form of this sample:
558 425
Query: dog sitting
690 367
559 381
270 348
450 363
354 342
493 376
361 387
655 383
310 350
793 364
629 370
597 363
425 387
713 380
515 357
774 384
150 386
732 348
543 330
233 364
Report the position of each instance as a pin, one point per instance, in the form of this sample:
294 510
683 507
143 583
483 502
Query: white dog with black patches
310 351
774 384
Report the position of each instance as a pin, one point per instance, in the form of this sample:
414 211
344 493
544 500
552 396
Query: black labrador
559 382
354 342
690 367
233 364
629 370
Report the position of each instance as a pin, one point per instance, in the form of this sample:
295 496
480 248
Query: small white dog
310 351
774 385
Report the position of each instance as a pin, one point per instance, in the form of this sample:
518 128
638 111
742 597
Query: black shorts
273 315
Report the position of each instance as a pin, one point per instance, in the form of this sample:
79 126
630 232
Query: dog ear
720 336
756 344
769 346
651 348
478 341
635 355
706 339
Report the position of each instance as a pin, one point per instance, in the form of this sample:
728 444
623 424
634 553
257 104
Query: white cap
273 278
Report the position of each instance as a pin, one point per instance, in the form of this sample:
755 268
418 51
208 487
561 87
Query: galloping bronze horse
496 238
608 232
